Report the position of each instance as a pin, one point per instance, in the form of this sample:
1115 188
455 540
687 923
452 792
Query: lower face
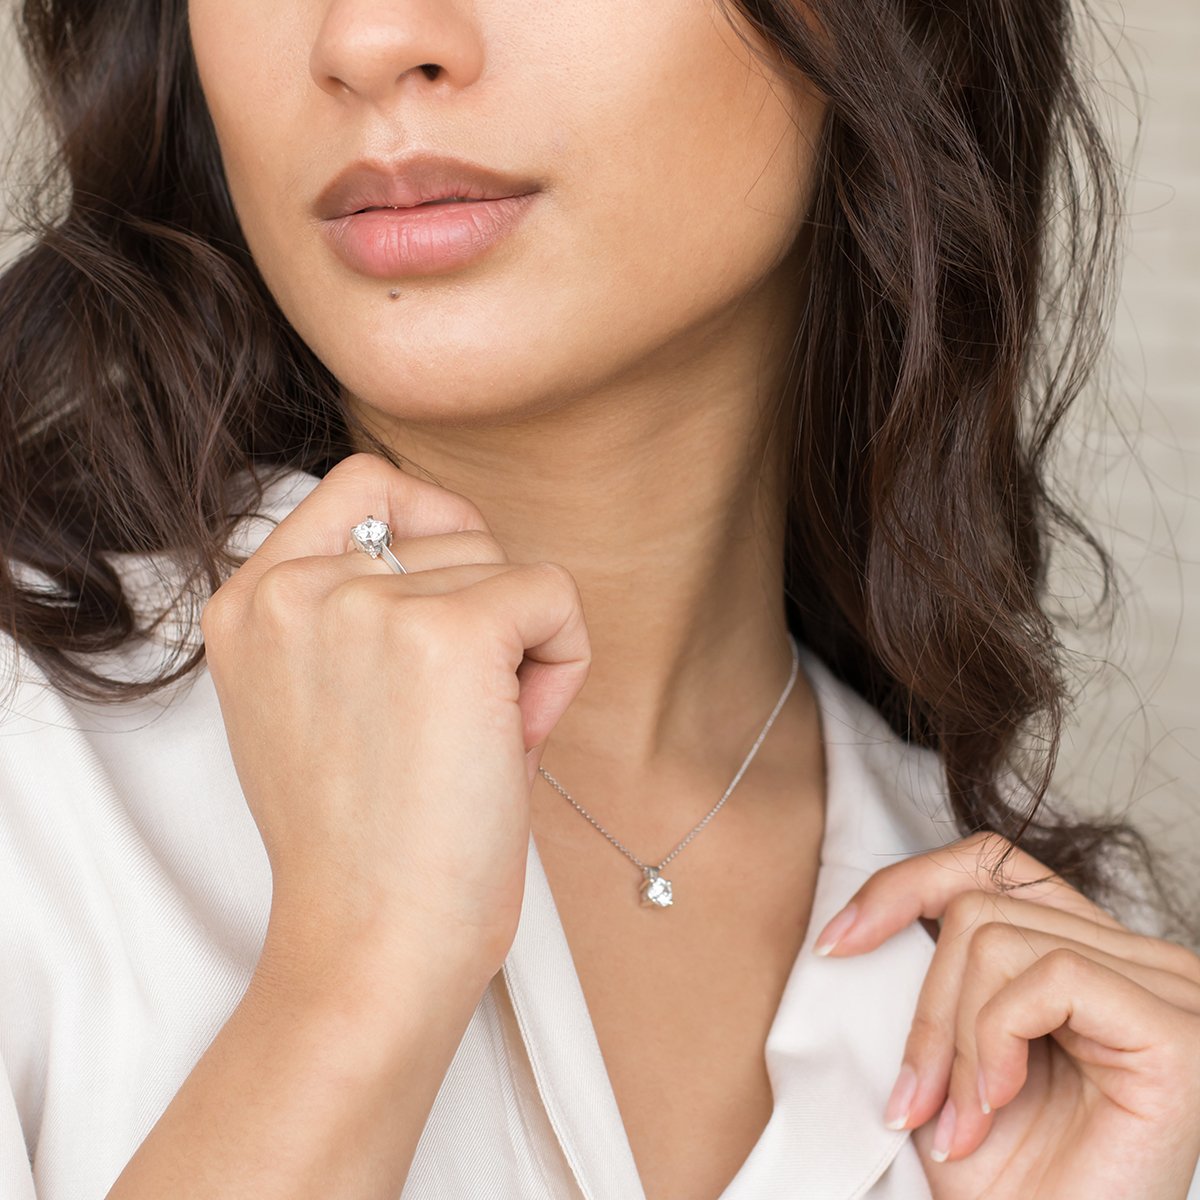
673 171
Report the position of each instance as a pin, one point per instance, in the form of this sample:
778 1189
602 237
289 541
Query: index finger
925 884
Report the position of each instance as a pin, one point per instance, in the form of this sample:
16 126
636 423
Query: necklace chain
645 867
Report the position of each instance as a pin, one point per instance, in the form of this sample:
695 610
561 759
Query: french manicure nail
983 1100
900 1101
833 932
944 1134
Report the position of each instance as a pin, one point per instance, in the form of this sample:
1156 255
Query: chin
440 396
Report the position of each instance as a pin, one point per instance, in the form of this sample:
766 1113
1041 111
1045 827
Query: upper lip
411 180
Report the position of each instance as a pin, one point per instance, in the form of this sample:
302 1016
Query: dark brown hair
144 366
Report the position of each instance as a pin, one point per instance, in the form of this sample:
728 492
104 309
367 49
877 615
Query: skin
599 384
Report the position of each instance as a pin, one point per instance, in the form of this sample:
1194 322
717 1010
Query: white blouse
134 897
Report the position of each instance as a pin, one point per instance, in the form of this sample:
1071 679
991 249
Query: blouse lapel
564 1054
835 1045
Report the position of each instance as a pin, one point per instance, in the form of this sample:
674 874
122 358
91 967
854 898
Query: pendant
655 889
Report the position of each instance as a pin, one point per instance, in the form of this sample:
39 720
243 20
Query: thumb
546 691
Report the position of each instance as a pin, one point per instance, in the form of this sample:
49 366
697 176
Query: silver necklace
655 890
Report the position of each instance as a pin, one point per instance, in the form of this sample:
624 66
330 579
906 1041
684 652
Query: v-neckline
839 1140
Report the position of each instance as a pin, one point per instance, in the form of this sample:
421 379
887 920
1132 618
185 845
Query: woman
691 358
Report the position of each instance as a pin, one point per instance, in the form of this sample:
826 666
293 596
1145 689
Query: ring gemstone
371 536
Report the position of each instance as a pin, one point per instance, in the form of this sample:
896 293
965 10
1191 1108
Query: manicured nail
983 1100
832 933
944 1134
895 1116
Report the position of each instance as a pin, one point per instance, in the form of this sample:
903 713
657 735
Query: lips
424 204
414 180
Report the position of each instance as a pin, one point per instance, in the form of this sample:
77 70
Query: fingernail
944 1134
895 1116
983 1100
832 933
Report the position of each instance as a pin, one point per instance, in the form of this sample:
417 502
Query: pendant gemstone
371 535
656 891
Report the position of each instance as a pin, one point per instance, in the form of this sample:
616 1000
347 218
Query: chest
682 998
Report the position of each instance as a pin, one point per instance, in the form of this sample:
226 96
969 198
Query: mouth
415 181
421 214
423 204
387 241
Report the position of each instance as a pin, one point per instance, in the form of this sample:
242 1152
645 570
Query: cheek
694 173
719 196
252 64
714 153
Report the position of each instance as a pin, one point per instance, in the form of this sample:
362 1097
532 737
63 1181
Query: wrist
373 957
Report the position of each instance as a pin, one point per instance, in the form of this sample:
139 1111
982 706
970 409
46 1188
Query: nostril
431 70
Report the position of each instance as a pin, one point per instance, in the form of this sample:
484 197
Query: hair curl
144 366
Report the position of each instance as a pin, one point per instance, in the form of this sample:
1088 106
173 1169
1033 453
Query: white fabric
134 896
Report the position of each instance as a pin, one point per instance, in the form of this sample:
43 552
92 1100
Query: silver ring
373 537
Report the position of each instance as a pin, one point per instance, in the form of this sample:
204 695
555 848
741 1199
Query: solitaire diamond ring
373 537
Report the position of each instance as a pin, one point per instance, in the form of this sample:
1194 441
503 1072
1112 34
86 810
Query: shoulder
889 799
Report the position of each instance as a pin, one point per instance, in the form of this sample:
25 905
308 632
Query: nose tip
373 48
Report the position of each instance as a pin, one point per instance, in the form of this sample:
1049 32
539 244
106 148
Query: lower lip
389 242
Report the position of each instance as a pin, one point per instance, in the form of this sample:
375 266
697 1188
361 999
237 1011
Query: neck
664 495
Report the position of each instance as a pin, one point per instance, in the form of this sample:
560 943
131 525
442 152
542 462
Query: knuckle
990 940
353 603
274 598
419 626
964 910
556 574
363 464
1063 963
376 474
464 512
428 626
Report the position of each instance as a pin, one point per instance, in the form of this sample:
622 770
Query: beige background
1133 446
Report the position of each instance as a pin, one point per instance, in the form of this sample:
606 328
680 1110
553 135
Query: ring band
393 562
373 537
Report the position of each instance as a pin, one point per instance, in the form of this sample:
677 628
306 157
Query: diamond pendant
656 890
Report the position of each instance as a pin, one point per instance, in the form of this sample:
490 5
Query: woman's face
672 170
